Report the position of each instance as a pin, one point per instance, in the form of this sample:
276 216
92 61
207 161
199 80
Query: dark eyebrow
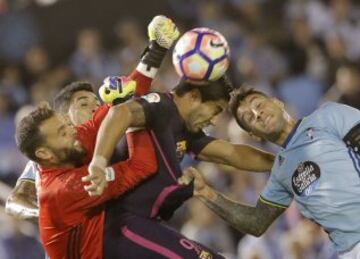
251 98
82 97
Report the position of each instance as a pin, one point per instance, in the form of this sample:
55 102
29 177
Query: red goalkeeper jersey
71 222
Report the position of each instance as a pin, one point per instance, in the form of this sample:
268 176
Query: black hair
28 136
209 91
63 98
237 97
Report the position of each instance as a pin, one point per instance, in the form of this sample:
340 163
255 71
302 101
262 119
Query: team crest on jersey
152 98
181 148
310 133
205 255
306 178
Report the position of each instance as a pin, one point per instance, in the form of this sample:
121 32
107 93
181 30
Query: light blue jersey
30 172
322 175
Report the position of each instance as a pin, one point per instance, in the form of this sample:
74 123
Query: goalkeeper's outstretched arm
162 33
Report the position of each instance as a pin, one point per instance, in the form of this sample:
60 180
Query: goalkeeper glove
163 31
117 89
162 34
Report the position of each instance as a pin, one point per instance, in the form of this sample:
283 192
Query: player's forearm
247 219
244 218
111 130
148 67
251 159
143 82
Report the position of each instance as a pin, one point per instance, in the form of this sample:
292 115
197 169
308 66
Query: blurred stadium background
302 51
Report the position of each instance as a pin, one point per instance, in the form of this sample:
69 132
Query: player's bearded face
262 116
204 114
82 106
61 141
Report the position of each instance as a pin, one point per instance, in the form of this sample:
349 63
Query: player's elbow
13 205
153 167
257 234
9 204
150 167
253 226
257 231
261 228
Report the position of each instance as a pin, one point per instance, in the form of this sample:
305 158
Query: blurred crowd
304 52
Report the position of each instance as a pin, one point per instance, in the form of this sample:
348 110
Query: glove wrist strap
153 55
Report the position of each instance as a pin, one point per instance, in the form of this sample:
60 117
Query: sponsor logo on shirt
310 133
306 178
180 149
201 253
152 98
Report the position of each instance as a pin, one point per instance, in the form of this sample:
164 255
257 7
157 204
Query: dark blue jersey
161 195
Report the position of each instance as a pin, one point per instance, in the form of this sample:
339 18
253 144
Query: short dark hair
237 97
28 136
209 91
63 98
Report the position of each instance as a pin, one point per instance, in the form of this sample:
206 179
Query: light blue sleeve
275 194
338 118
29 173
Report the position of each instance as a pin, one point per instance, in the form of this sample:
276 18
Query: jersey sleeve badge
152 98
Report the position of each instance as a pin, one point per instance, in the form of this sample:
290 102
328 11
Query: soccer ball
201 54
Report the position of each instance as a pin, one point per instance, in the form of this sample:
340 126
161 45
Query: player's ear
43 153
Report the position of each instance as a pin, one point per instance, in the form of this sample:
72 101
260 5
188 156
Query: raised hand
163 30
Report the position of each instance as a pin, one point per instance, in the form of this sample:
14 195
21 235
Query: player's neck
181 106
48 165
288 127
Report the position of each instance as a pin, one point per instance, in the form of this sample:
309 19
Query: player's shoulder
333 110
328 106
30 171
31 165
335 107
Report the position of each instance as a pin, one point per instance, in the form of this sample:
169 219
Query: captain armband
352 138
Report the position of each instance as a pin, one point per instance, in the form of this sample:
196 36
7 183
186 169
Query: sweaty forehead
245 104
83 95
250 98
